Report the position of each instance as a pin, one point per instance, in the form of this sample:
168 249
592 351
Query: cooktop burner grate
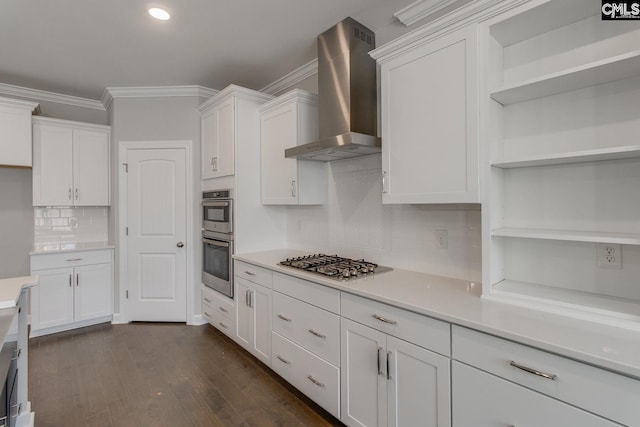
334 266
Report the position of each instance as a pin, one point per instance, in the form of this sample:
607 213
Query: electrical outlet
609 255
442 239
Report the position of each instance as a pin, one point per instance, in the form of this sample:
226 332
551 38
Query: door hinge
126 231
126 294
126 167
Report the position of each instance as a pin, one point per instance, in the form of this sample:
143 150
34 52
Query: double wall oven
217 241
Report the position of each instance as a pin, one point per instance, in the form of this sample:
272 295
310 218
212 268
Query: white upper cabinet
70 163
429 108
287 121
218 138
15 132
227 118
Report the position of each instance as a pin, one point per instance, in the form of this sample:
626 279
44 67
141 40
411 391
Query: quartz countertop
459 302
10 289
69 247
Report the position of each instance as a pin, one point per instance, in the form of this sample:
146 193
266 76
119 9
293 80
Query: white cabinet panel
287 121
70 163
253 318
75 290
91 168
430 121
482 400
218 127
15 132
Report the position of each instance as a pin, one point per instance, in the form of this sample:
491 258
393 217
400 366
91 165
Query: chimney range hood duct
347 91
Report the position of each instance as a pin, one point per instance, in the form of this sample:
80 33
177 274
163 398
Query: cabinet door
418 390
15 134
209 127
52 298
52 165
484 400
430 123
226 139
278 131
93 294
260 301
90 168
244 313
363 379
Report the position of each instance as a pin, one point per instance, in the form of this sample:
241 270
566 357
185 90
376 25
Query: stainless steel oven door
217 262
217 215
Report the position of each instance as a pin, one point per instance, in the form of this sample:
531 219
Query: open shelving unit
562 127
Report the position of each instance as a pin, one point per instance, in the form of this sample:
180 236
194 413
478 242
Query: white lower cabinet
75 290
253 321
390 382
484 400
219 311
315 377
497 382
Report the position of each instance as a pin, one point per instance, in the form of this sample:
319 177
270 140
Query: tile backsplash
70 225
355 223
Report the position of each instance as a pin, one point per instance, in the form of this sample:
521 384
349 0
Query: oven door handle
220 204
216 243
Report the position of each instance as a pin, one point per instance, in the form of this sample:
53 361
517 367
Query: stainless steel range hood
347 93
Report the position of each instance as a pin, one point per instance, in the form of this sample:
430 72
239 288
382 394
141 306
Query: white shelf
596 155
569 235
595 73
599 308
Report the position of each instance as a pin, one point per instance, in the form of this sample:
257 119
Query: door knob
180 244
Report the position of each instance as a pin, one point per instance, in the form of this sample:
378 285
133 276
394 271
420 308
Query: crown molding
111 93
41 95
421 9
288 81
298 95
238 91
76 124
27 105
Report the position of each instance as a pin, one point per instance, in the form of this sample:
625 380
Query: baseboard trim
198 320
117 319
69 326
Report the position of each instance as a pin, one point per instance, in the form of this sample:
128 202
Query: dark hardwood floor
158 374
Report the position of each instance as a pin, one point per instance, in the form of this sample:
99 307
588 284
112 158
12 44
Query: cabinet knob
180 244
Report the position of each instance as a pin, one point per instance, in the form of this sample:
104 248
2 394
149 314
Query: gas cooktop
334 266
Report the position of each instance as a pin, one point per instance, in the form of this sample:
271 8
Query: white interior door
156 241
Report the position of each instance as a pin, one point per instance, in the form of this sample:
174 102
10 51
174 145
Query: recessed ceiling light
159 14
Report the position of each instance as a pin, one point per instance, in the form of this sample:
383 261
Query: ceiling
80 47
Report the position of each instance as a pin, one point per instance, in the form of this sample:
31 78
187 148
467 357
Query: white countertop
459 302
69 247
10 289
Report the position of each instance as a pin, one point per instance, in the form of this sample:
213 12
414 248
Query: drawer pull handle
318 334
74 259
16 354
283 360
248 273
223 325
207 314
224 310
286 319
208 300
315 381
384 319
552 377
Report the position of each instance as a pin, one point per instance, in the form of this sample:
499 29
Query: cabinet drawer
218 303
253 273
483 400
313 293
602 392
310 327
224 324
421 330
70 259
308 373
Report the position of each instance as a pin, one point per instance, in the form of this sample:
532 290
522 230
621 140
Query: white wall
156 119
16 221
355 223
